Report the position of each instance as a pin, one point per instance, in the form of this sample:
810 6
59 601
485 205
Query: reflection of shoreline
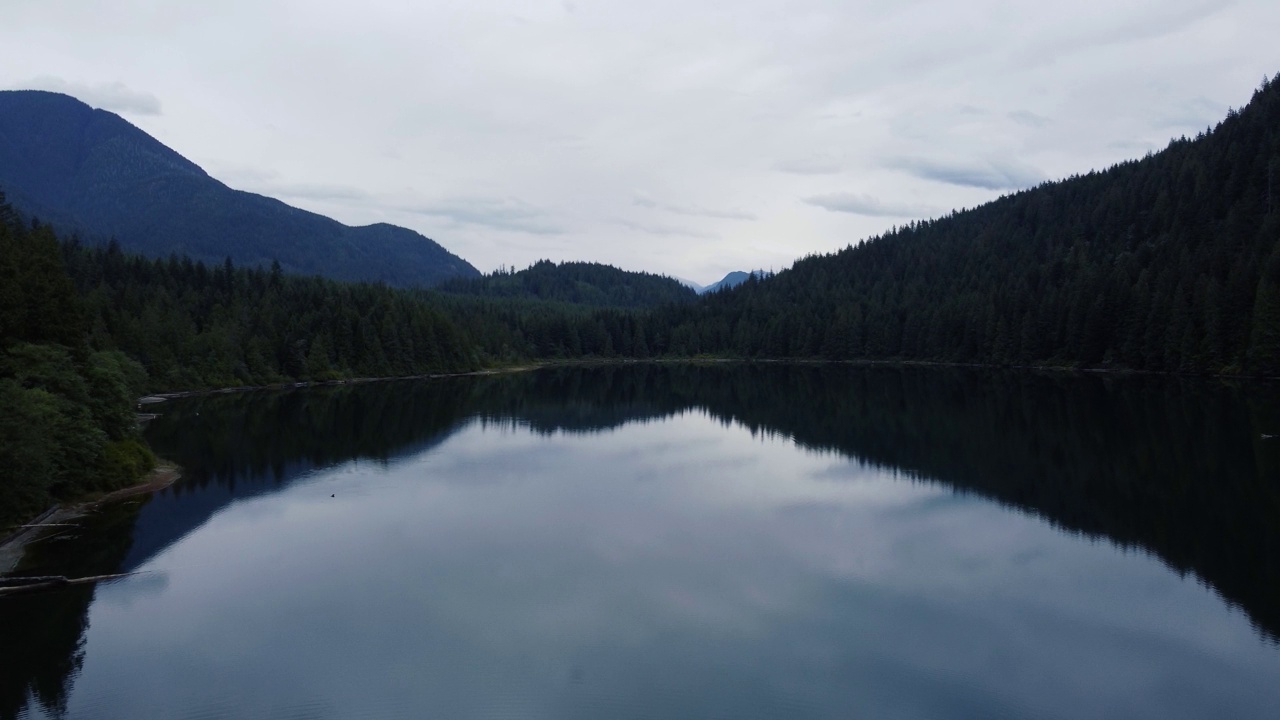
591 363
13 548
1167 464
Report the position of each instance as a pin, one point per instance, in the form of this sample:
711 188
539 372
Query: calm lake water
663 542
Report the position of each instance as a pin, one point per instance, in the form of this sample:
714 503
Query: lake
680 541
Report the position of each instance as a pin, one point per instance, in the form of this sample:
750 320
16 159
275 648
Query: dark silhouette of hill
578 283
91 172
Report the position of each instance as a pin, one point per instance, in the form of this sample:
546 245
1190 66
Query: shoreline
539 365
174 394
13 547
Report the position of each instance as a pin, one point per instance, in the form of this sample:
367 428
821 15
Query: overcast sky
686 138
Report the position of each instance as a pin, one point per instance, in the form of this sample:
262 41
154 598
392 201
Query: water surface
677 541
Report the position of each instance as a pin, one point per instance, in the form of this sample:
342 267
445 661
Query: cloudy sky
687 138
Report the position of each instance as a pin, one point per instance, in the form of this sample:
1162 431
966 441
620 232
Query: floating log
31 580
21 585
36 525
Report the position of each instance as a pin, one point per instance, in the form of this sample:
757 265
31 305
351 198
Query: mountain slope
1170 263
578 283
689 284
91 172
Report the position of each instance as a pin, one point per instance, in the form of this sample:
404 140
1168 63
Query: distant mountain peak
734 279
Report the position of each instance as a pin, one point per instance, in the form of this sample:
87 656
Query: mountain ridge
89 171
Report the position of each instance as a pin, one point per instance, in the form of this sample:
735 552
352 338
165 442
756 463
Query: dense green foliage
193 327
509 331
90 171
578 283
1169 263
66 413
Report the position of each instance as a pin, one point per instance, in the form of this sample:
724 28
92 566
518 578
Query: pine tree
1264 342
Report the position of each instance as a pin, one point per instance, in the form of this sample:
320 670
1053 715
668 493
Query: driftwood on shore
10 586
43 527
40 525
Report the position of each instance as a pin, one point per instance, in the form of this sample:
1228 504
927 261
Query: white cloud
508 214
980 173
1028 118
863 204
693 210
813 165
652 228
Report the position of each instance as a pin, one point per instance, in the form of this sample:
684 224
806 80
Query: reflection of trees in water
1176 466
43 640
42 635
1173 466
268 436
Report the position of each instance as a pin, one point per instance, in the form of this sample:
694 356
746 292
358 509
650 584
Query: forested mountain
1168 263
89 171
578 283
